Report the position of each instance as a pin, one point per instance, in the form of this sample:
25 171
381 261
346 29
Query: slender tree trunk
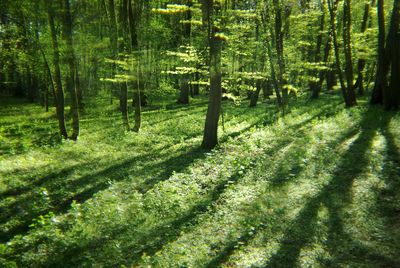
383 62
196 86
184 81
324 73
133 18
123 92
279 52
210 137
361 62
273 75
184 90
314 85
391 95
113 42
332 5
138 101
57 76
351 95
255 94
70 55
78 88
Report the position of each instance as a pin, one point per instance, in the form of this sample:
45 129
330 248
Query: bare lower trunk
332 5
59 93
184 91
123 102
382 68
391 95
71 85
351 95
210 137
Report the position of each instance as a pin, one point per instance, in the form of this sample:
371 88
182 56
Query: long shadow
391 176
277 181
335 196
163 234
152 241
30 182
388 198
342 247
60 203
182 160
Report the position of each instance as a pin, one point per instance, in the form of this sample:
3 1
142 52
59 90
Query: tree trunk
57 76
279 51
361 62
391 95
196 86
210 137
383 64
138 101
332 6
133 18
184 90
70 57
273 75
255 94
123 87
123 101
314 85
351 95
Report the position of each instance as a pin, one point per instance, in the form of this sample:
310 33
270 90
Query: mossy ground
317 188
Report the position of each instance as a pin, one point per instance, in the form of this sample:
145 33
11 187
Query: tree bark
332 6
314 85
184 90
255 94
279 51
383 64
123 87
361 62
133 18
351 95
210 137
391 95
57 73
70 57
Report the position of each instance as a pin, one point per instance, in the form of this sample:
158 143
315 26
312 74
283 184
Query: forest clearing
209 133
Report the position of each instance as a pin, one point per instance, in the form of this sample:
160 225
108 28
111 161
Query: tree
348 93
361 62
72 74
383 64
391 94
350 96
386 91
210 137
60 102
279 51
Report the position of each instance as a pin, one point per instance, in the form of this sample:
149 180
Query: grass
317 188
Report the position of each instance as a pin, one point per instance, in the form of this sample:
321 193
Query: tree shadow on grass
336 196
277 181
388 198
63 193
164 234
154 239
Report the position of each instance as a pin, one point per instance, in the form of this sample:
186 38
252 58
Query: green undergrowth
316 188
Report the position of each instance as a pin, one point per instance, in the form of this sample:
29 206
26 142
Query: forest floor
317 188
